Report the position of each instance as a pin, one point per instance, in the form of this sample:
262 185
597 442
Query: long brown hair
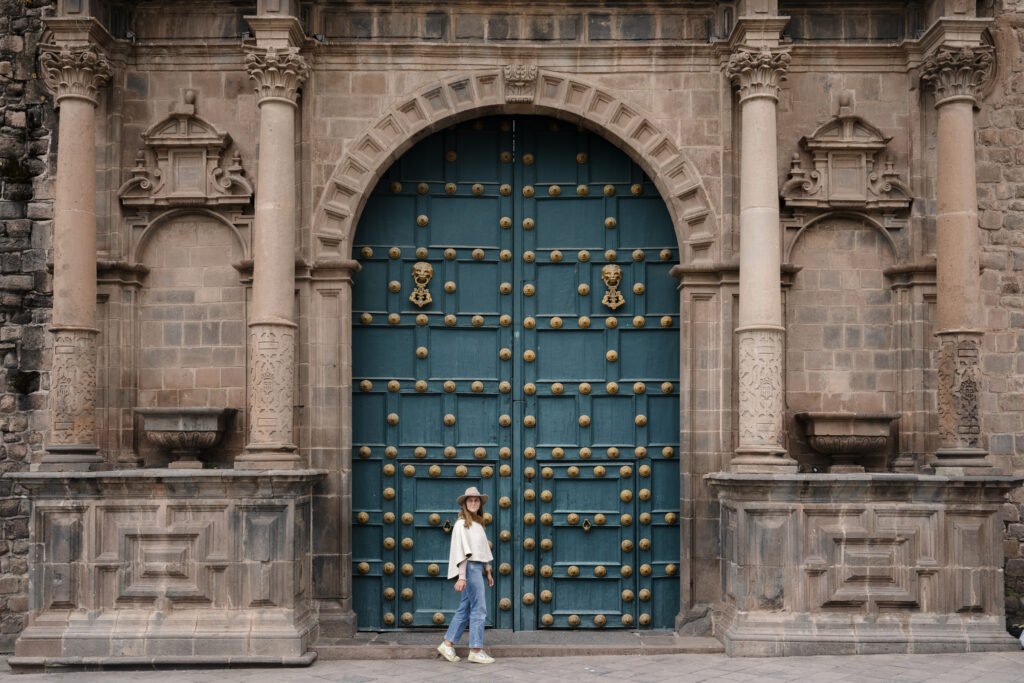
470 517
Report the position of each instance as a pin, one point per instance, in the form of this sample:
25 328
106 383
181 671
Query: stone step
423 644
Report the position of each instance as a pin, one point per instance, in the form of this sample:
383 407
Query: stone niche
817 564
159 567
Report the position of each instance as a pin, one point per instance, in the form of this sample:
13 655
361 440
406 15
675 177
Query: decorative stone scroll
520 82
845 170
958 72
182 164
760 390
757 73
73 387
78 73
278 73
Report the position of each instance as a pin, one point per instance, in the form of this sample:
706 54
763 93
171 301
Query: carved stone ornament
958 72
73 72
757 73
959 385
181 164
278 73
271 386
520 82
422 272
761 395
73 387
612 276
845 170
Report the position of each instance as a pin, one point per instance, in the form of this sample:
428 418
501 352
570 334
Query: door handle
586 525
447 526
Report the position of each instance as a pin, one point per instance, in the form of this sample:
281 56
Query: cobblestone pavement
987 667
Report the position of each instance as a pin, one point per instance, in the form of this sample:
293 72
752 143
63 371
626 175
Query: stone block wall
841 335
26 190
1000 157
192 316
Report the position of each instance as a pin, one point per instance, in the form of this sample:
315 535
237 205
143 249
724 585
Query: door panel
525 375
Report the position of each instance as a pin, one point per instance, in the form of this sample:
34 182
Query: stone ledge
824 634
163 482
863 487
36 664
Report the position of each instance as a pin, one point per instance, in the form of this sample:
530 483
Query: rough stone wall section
1000 157
26 189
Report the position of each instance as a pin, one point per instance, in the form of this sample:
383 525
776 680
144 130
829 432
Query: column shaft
955 75
760 335
958 283
74 75
272 327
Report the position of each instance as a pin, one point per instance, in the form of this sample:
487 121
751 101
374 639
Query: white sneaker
480 657
448 652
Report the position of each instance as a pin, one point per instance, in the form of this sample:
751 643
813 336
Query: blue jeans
472 608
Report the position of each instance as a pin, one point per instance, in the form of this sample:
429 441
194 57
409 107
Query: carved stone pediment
846 171
181 164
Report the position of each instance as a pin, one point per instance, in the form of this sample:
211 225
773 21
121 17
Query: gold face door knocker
612 276
422 272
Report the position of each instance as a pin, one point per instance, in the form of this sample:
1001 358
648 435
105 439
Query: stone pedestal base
178 566
820 564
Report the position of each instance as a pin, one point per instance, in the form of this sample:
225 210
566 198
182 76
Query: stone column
74 75
955 75
278 73
760 333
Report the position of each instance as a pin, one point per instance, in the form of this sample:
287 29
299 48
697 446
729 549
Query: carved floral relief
70 72
760 388
73 387
520 82
271 384
958 72
959 384
758 72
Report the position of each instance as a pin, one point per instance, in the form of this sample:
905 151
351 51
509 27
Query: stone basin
847 436
185 432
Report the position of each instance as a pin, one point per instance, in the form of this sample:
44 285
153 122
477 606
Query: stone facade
816 160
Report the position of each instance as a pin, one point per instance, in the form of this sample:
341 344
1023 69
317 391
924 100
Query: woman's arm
461 582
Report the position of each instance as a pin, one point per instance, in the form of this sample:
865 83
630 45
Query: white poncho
467 544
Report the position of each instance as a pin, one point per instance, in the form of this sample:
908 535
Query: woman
469 560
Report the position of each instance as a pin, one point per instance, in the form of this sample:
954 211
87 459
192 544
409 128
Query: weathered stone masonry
26 187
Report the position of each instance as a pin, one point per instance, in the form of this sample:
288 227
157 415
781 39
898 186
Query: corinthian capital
758 73
278 73
957 72
74 72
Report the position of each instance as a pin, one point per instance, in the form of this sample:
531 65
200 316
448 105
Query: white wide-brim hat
471 492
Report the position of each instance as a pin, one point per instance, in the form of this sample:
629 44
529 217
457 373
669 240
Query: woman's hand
490 578
460 584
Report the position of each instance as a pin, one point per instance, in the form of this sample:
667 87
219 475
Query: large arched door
515 327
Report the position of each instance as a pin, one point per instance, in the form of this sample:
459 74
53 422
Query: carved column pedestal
760 334
74 75
959 380
827 564
163 567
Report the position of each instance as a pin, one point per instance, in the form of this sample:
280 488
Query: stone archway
470 95
412 118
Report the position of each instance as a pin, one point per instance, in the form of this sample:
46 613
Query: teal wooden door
516 328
